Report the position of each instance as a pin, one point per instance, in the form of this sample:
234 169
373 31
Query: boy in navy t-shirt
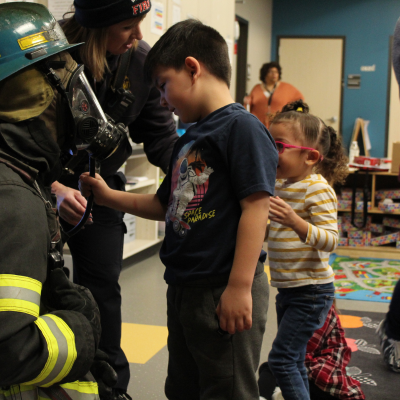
215 201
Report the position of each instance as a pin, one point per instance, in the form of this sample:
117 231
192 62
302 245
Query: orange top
283 94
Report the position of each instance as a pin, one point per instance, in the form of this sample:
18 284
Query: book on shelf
132 180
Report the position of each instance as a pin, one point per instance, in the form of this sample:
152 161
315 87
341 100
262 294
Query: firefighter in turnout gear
50 327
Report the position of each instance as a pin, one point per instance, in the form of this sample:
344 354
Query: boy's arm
235 306
146 206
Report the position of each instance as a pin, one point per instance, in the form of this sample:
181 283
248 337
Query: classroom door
393 123
315 67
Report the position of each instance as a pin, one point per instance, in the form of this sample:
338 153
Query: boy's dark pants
203 364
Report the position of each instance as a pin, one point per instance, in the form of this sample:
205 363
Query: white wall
259 15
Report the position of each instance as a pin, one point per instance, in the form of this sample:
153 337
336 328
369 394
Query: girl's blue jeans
300 311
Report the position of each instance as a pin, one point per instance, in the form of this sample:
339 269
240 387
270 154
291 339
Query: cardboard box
395 157
392 222
360 205
348 227
355 235
389 208
376 228
393 194
347 193
344 204
367 238
386 239
346 217
356 242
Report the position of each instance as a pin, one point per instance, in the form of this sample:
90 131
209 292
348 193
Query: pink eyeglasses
282 146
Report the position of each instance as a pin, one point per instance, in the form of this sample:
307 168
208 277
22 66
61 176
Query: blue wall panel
367 26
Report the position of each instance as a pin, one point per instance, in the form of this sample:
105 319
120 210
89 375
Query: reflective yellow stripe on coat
78 390
22 294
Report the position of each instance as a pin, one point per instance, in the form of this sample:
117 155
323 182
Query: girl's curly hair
334 165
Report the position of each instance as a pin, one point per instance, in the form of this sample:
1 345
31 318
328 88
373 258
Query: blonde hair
93 53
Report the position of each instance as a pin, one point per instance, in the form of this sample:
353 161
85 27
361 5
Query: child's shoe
390 348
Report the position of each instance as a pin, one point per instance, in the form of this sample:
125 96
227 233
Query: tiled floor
144 329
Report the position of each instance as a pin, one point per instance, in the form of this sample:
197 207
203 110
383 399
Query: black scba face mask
90 129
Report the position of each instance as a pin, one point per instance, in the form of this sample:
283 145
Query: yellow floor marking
141 342
266 269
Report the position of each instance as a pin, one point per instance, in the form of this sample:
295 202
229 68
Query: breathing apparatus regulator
92 130
30 36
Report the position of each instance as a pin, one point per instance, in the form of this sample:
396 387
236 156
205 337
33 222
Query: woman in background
271 94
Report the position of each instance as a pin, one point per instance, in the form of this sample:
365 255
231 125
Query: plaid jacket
326 359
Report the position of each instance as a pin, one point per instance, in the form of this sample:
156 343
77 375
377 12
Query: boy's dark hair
190 38
334 165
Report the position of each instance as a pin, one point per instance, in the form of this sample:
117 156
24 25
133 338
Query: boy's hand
96 186
234 310
281 212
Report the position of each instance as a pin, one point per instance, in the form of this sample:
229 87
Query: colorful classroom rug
368 279
366 363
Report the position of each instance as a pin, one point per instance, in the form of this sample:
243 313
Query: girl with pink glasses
302 233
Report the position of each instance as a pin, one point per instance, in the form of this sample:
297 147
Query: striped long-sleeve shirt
292 261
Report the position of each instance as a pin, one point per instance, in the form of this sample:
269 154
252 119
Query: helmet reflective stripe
33 40
20 294
28 34
62 352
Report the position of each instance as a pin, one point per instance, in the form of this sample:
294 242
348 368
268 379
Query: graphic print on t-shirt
189 184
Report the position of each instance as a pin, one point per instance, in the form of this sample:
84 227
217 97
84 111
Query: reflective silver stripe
20 392
12 292
20 294
62 351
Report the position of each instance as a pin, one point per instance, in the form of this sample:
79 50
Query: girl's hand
96 186
234 310
281 212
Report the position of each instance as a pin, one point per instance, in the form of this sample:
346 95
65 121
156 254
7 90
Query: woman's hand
70 203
